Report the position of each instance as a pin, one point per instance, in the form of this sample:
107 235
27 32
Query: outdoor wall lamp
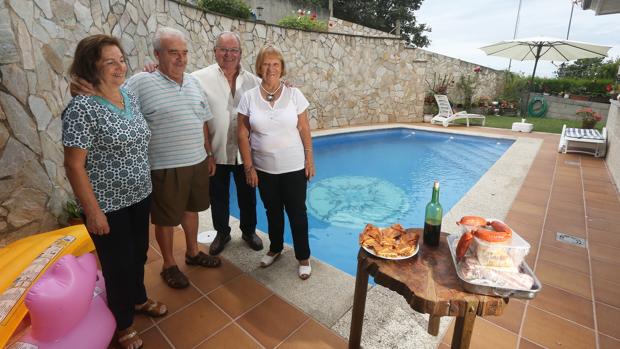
259 12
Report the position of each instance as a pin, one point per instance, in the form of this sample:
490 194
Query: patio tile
604 252
196 322
606 342
525 344
272 321
239 295
569 259
564 278
608 319
607 292
154 339
605 270
208 279
313 335
142 322
232 336
565 305
511 318
173 298
549 330
604 237
491 336
529 209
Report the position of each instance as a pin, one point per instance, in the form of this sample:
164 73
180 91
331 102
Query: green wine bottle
432 219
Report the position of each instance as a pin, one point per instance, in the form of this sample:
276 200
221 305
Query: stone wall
613 142
337 25
489 82
348 79
566 108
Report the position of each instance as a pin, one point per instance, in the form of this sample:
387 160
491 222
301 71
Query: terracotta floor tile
525 344
564 225
528 209
232 336
603 237
142 322
606 342
491 336
551 331
564 278
570 259
207 279
607 213
313 335
154 339
511 318
605 270
565 304
532 195
239 295
272 321
191 325
443 345
173 298
608 319
607 292
604 252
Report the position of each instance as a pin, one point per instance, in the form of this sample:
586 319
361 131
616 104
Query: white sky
460 27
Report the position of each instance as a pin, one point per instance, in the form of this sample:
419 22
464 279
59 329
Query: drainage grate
569 239
571 162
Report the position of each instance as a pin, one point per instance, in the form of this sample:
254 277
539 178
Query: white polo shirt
223 126
274 137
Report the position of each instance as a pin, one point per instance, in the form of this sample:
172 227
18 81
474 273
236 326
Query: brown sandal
204 260
174 277
129 338
151 308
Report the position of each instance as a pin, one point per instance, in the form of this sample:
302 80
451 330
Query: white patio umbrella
545 48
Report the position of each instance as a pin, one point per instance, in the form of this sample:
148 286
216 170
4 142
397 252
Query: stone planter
428 117
579 97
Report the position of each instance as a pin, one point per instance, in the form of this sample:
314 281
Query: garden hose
537 106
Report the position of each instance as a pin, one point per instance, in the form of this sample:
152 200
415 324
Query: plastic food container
506 254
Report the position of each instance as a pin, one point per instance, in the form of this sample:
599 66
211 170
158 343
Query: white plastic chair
447 116
581 140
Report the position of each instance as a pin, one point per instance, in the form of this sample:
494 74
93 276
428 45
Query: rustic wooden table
429 283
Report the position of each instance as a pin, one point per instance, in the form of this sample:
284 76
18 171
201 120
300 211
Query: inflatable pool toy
24 261
67 308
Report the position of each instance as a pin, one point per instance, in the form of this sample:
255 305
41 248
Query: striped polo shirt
176 115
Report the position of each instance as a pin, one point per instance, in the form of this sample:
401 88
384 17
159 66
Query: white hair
224 33
163 32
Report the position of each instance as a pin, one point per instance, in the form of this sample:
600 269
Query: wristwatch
209 153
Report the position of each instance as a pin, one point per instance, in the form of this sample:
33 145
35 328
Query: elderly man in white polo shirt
224 83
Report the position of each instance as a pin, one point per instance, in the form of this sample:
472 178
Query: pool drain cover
569 239
350 201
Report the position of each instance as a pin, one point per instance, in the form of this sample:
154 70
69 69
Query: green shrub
304 23
514 87
572 86
232 8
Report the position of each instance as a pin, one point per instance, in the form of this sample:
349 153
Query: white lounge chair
446 116
581 140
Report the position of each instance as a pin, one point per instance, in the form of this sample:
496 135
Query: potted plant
74 214
589 117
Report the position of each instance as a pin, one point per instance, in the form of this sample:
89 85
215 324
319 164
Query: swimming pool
383 177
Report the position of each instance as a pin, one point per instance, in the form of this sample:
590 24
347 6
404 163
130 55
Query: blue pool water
383 177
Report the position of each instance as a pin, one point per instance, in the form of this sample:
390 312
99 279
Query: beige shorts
177 190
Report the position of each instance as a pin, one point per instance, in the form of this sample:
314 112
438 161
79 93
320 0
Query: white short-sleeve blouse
274 138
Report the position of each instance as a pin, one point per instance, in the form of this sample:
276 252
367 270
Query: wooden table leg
464 327
433 325
359 304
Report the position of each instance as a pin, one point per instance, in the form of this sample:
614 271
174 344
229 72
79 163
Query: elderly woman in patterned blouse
105 140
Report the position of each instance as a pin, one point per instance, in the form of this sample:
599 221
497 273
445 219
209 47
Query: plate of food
393 242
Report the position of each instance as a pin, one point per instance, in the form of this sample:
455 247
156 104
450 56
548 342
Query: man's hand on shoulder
79 86
150 67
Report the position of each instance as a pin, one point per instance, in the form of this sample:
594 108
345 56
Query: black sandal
203 260
174 277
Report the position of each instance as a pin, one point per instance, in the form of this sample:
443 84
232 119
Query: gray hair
163 32
220 35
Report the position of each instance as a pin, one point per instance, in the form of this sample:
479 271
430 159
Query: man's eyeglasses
234 50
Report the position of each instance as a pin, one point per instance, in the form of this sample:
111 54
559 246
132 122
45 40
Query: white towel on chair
583 133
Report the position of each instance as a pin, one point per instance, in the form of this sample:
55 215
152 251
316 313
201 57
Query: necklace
271 95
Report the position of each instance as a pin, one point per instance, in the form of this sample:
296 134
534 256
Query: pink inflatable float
67 307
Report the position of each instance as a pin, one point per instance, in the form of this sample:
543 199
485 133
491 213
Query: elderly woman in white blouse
276 148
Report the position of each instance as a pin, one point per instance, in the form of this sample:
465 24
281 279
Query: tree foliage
303 22
383 15
589 68
233 8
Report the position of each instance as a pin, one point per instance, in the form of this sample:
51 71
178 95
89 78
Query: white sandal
268 260
305 271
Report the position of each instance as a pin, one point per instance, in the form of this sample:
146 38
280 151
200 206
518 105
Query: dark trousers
220 200
286 191
122 254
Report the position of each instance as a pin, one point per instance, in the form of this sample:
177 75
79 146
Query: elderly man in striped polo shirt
176 109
